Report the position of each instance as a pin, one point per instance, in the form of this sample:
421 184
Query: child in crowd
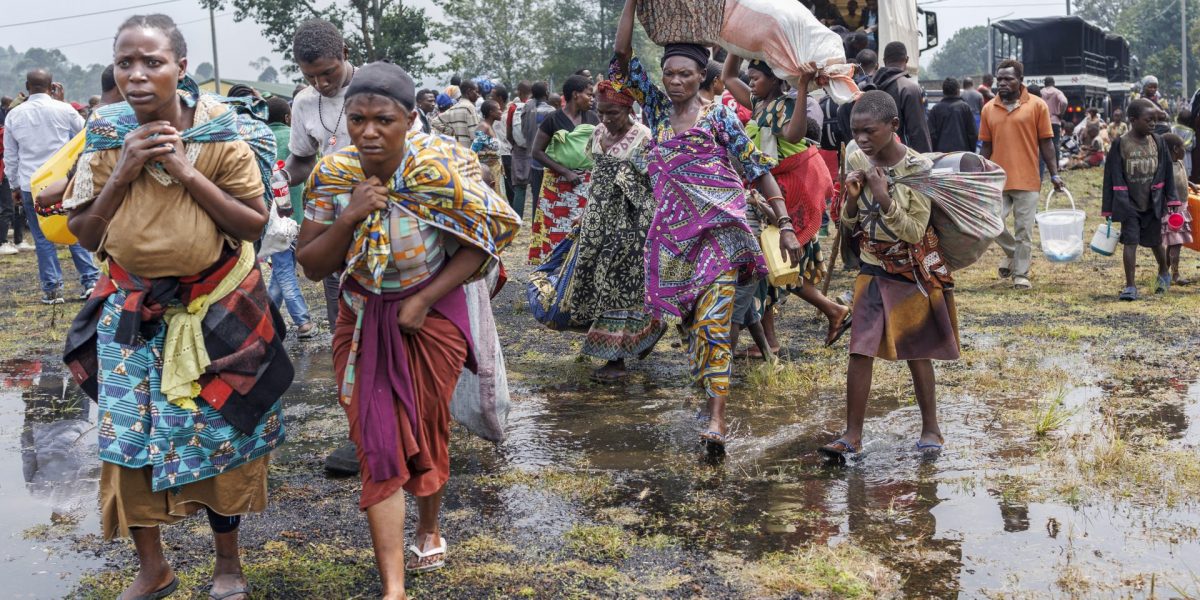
1187 135
1177 230
1091 150
903 298
1138 186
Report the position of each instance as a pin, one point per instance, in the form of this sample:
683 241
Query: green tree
491 38
1152 29
1103 13
269 75
374 29
965 53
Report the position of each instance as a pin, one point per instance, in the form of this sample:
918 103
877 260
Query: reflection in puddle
49 479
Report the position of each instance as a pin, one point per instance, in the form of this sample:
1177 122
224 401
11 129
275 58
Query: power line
109 38
979 6
91 14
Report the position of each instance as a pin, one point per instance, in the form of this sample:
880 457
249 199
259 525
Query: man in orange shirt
1015 130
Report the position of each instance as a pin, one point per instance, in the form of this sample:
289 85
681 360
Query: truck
893 21
1122 72
1070 49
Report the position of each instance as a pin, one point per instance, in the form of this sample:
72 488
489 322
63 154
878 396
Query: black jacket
952 126
1116 200
914 130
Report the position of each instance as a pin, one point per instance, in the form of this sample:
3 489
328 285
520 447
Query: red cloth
806 186
435 356
743 114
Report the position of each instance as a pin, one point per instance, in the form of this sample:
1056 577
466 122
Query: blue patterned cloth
140 428
245 120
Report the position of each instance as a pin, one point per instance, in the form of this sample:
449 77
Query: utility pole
1183 43
212 23
1068 8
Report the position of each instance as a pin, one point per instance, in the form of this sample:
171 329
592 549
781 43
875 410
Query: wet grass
1049 415
841 571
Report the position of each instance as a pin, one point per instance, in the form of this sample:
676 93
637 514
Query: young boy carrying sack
1139 184
903 297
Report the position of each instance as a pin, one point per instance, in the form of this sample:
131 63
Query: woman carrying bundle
609 284
408 220
781 133
699 243
487 146
563 190
187 416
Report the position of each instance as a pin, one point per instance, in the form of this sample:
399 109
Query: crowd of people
649 208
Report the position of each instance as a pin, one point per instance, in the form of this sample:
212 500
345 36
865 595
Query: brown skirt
894 320
127 499
436 357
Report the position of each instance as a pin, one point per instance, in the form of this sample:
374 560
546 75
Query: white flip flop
441 562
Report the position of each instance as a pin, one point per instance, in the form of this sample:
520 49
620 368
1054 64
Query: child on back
903 298
1177 230
1139 184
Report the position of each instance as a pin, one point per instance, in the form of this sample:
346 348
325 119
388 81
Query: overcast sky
88 40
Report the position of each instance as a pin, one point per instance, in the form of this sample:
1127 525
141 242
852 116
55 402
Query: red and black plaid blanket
243 334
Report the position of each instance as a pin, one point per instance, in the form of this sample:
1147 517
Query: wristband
773 198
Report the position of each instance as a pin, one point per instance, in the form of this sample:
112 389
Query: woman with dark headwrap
699 244
562 138
779 132
407 219
609 285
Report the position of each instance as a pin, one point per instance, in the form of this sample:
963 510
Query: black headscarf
762 67
384 79
695 52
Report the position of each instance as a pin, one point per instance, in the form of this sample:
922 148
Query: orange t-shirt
1015 136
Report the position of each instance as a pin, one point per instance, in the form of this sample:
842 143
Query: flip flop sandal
245 590
160 593
840 329
832 453
1162 285
424 566
1128 294
930 448
713 443
606 379
1182 282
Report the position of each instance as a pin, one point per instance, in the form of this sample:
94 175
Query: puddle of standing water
49 480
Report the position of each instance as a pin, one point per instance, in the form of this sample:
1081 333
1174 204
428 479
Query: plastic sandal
930 448
439 552
245 591
839 329
1163 285
160 593
1128 294
713 442
834 454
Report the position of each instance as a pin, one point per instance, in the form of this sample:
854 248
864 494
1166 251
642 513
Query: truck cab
884 21
1069 49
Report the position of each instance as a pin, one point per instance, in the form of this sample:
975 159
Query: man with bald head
33 132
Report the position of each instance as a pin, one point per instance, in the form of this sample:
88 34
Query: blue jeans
284 287
49 271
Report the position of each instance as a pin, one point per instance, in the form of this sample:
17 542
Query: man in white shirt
33 132
500 96
319 129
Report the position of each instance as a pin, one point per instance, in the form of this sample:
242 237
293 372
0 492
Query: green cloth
185 355
283 136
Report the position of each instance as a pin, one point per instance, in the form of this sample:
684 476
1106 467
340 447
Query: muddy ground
1071 470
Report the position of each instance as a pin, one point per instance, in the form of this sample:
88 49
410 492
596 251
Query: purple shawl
382 373
699 230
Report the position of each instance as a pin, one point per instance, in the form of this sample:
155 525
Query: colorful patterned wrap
245 120
439 183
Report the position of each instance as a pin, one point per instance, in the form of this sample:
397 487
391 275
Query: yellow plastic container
780 272
55 227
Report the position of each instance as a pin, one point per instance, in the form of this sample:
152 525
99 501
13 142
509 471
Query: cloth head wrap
384 79
1149 79
608 92
695 52
443 101
454 92
762 67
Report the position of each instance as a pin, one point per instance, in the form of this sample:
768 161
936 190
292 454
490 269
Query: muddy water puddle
962 526
49 480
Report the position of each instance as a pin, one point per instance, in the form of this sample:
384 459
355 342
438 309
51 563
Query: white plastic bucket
1061 231
1105 241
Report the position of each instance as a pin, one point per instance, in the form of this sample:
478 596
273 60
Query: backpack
830 131
518 132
